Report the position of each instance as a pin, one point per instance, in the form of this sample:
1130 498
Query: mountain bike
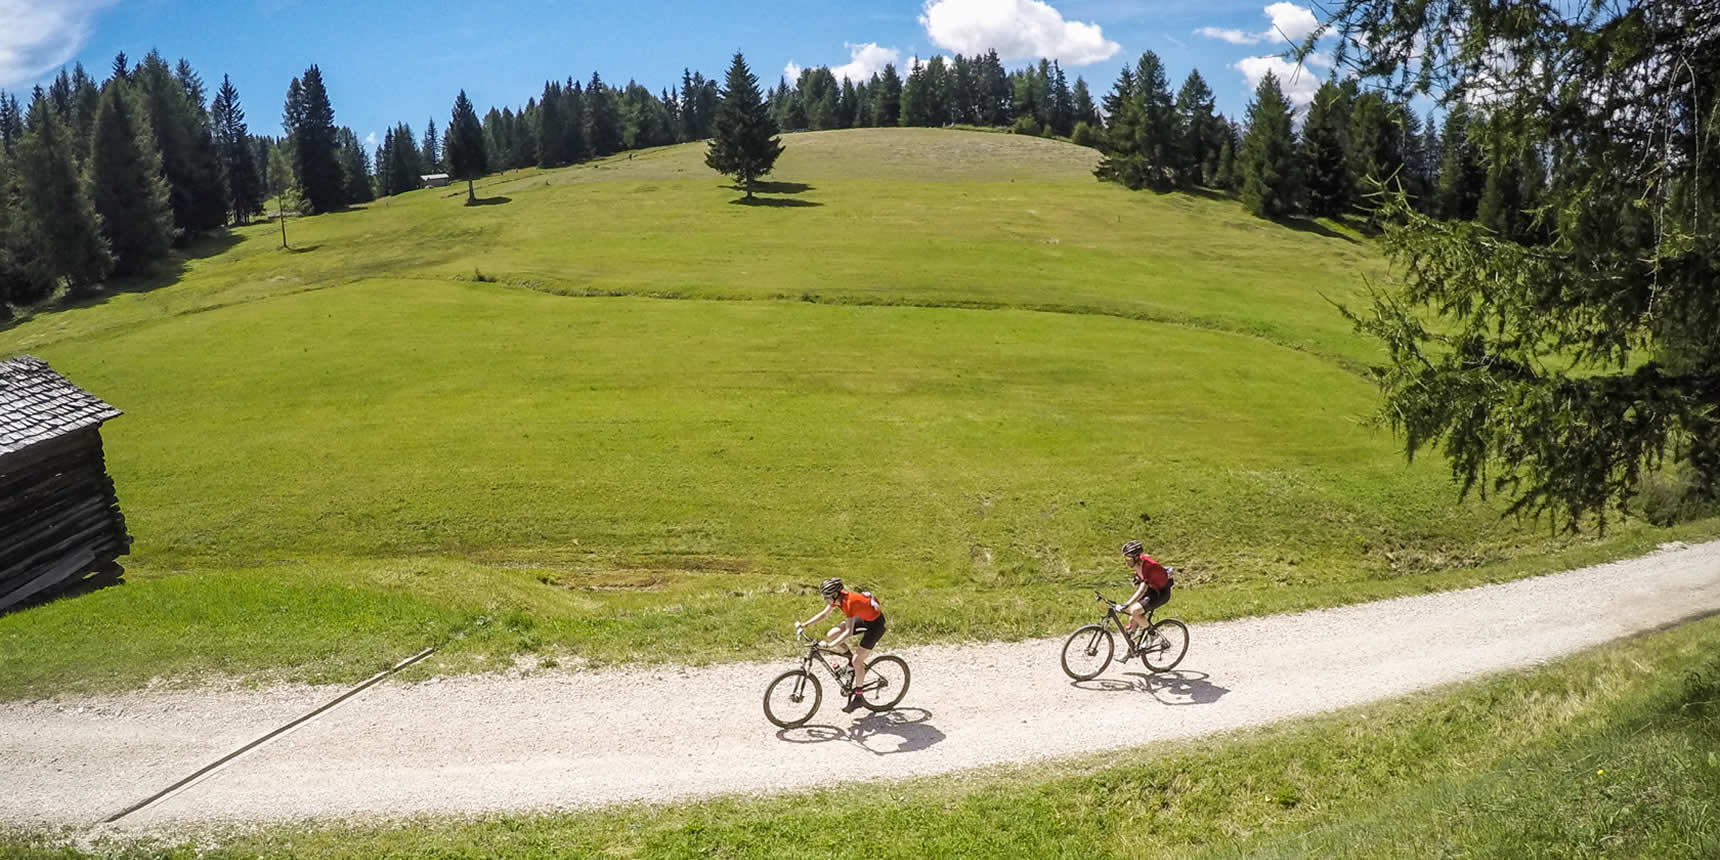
1160 644
794 696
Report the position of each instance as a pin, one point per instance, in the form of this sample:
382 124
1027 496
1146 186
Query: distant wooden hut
434 180
59 518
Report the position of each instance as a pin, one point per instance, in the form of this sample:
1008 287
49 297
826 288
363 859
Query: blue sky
387 61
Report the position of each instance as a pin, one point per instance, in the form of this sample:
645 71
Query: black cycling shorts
1156 597
869 631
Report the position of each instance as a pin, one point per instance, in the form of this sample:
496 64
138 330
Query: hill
948 365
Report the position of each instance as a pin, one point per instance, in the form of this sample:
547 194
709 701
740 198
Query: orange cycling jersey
856 605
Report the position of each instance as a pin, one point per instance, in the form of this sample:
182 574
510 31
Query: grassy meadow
611 408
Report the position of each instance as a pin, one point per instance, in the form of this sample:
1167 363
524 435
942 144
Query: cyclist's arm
816 618
1140 595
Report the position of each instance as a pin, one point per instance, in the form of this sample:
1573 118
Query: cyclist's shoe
855 702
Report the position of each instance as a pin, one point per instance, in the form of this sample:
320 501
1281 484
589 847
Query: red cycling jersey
1152 573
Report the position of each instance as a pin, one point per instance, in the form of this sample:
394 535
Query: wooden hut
59 518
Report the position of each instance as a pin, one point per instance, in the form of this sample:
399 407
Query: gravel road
577 739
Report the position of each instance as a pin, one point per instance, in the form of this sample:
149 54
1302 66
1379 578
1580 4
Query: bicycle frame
1116 618
814 654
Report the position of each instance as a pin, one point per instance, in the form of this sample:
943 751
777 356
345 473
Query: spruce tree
431 150
86 100
1197 131
1159 134
1323 159
1085 111
1267 161
238 161
916 102
188 157
1121 143
467 157
59 230
744 144
316 165
126 187
11 121
602 119
1062 103
1461 172
887 109
551 130
354 167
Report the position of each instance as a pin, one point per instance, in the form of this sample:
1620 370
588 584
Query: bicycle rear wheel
1165 644
886 683
792 698
1087 652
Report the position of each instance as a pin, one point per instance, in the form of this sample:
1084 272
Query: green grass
1612 753
334 457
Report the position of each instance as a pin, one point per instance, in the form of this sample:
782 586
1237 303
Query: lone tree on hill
743 137
465 152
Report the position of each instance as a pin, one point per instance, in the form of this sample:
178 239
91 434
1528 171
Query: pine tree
1323 159
11 122
916 103
431 149
887 111
119 70
1085 111
1197 128
59 229
602 119
1062 103
467 157
744 142
1267 161
126 187
86 100
354 167
1461 173
1159 134
188 158
316 164
1376 144
238 162
1121 142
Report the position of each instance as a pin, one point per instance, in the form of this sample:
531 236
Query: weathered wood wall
59 517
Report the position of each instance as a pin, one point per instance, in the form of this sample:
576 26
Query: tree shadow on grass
166 271
490 201
781 202
299 249
1309 225
776 187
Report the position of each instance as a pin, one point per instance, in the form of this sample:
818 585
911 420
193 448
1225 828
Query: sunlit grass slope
337 454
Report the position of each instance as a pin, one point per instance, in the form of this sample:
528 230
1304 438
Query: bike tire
792 717
1092 640
893 671
1175 635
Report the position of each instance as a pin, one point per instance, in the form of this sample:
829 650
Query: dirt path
569 740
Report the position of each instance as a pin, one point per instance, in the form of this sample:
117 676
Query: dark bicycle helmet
1132 549
831 587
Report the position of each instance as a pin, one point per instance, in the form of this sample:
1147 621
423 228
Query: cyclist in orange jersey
860 614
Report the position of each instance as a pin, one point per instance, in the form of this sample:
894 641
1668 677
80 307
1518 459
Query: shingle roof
37 404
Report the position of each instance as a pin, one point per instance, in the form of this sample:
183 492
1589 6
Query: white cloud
863 61
1297 81
1016 29
1290 25
39 36
370 139
1234 37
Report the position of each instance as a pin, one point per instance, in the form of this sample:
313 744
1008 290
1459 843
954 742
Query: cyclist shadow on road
910 726
1181 687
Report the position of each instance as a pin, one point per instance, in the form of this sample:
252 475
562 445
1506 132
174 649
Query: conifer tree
1323 154
1121 142
916 102
743 142
1158 142
1085 111
188 158
1461 172
316 164
11 121
86 99
1062 103
1267 161
354 167
887 109
59 230
1197 128
431 149
126 188
238 161
602 119
467 157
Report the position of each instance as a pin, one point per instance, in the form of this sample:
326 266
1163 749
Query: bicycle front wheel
886 683
792 698
1165 645
1087 652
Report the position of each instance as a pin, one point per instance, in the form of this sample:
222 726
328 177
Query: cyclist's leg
1137 617
874 630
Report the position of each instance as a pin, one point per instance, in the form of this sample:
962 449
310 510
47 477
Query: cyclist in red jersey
1152 585
860 614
